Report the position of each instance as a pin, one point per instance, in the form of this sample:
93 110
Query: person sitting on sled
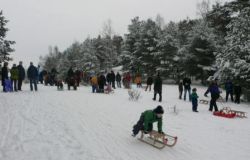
147 119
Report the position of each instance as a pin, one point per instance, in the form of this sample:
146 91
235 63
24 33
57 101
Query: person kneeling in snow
147 119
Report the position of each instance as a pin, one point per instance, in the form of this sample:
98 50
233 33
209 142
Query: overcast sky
36 24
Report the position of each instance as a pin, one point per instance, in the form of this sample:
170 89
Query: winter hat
159 110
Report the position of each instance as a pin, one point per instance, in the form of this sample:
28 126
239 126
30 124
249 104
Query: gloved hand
146 132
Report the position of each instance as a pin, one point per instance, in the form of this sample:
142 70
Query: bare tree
203 8
107 30
159 20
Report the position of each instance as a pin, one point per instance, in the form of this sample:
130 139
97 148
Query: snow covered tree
117 42
147 52
5 45
130 44
167 50
234 61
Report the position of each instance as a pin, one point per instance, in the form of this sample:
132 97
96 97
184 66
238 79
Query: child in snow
194 98
147 119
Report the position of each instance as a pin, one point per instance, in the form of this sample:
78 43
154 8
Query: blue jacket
214 90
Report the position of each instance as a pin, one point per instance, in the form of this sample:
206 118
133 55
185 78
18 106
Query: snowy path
79 125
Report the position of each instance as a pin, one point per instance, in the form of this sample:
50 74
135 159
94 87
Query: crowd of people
17 75
107 82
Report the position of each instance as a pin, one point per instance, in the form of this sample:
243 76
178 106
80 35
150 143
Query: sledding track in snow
79 125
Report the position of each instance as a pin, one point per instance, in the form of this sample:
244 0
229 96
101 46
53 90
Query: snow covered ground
79 125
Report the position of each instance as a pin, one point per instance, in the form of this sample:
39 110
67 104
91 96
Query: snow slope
80 125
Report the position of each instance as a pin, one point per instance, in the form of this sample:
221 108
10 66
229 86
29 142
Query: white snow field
80 125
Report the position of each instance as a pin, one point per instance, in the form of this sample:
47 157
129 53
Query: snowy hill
80 125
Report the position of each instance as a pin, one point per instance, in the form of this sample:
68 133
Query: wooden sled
158 140
239 114
203 101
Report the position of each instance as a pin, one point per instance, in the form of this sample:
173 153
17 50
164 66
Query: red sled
223 114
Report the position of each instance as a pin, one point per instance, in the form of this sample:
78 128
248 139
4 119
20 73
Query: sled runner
239 114
158 140
225 112
203 101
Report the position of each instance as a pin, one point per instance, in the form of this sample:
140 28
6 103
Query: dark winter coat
187 83
108 77
21 72
4 74
149 81
229 86
118 77
158 84
32 72
237 90
112 76
101 80
151 117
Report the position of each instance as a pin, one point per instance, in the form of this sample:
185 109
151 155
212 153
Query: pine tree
5 45
235 59
131 43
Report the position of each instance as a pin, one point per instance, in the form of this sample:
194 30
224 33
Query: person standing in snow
38 71
194 98
147 119
138 80
215 94
118 80
187 87
21 75
229 89
158 87
112 79
94 83
180 87
237 92
149 83
108 78
32 75
4 74
101 83
14 74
